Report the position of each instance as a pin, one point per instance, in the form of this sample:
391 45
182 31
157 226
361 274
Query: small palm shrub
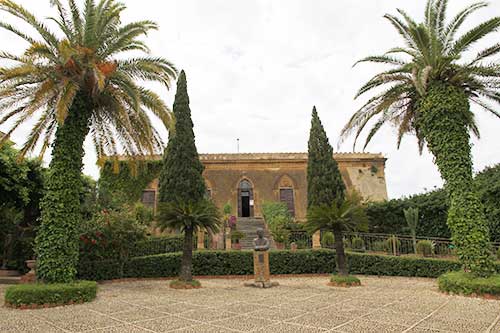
390 243
358 244
379 246
344 281
425 248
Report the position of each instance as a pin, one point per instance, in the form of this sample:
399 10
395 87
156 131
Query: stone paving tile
394 317
179 308
165 324
204 328
13 324
76 318
291 328
242 307
207 315
277 314
454 324
360 326
322 319
121 329
243 323
108 306
136 315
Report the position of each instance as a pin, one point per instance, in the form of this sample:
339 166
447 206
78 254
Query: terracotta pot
236 246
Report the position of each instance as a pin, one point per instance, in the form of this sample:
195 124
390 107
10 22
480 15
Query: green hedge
158 245
388 217
466 284
50 294
282 262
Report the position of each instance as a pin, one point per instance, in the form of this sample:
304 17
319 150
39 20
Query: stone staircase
9 277
249 226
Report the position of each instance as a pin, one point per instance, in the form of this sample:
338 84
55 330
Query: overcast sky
255 68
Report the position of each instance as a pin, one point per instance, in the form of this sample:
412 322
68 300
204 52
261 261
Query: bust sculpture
261 243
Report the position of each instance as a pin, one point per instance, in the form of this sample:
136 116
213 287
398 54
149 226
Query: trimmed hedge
50 294
282 262
467 284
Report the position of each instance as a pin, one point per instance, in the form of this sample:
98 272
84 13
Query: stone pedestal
201 240
261 271
228 239
316 240
30 277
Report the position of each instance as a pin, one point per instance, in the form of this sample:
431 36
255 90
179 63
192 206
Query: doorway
245 199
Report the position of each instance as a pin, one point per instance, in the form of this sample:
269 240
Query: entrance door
245 199
286 196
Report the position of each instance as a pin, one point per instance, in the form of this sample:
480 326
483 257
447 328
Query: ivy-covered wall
388 217
123 183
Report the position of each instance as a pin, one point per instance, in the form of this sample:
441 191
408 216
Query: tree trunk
444 116
57 239
187 257
339 252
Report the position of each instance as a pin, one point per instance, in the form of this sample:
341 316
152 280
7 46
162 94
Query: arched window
286 193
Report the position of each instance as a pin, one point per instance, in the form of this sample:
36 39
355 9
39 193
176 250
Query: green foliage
278 218
392 245
411 217
498 254
462 283
202 215
57 238
143 215
358 244
388 217
324 182
445 121
236 235
327 239
425 248
282 262
85 56
432 52
157 245
347 281
123 183
110 235
227 209
52 294
346 215
181 177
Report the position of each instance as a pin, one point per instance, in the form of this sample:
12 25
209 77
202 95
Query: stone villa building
248 180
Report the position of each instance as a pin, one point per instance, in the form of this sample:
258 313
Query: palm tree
428 92
189 218
343 215
73 84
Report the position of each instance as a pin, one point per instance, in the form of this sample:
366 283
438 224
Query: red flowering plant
110 235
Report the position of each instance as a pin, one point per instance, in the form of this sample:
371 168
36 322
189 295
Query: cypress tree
181 179
324 182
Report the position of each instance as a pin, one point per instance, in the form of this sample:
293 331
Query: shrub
179 284
498 253
157 245
327 239
344 281
236 236
50 294
425 248
379 246
389 245
358 244
467 284
282 262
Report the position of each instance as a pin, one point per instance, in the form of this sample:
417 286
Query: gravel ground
385 304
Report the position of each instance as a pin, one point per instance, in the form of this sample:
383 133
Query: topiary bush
463 283
358 244
425 248
327 240
344 281
37 295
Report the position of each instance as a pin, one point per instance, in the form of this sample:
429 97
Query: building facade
246 181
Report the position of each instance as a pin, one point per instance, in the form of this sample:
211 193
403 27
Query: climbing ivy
57 238
121 183
445 118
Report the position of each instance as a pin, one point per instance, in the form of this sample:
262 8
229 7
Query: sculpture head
260 232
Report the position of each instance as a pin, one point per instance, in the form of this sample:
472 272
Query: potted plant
235 239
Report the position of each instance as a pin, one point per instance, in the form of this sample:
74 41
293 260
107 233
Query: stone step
10 279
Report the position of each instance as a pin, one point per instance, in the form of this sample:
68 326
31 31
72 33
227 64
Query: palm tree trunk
340 252
444 119
187 257
57 239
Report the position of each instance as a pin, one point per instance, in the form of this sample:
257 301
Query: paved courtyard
297 305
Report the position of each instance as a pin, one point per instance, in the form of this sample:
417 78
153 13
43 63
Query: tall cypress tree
324 182
181 179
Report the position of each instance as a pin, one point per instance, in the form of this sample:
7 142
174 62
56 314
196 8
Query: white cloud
255 68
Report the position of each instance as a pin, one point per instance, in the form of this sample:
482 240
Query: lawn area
305 304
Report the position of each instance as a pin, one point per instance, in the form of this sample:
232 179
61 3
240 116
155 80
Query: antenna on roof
238 145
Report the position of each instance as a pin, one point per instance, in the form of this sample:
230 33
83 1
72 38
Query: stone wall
268 172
